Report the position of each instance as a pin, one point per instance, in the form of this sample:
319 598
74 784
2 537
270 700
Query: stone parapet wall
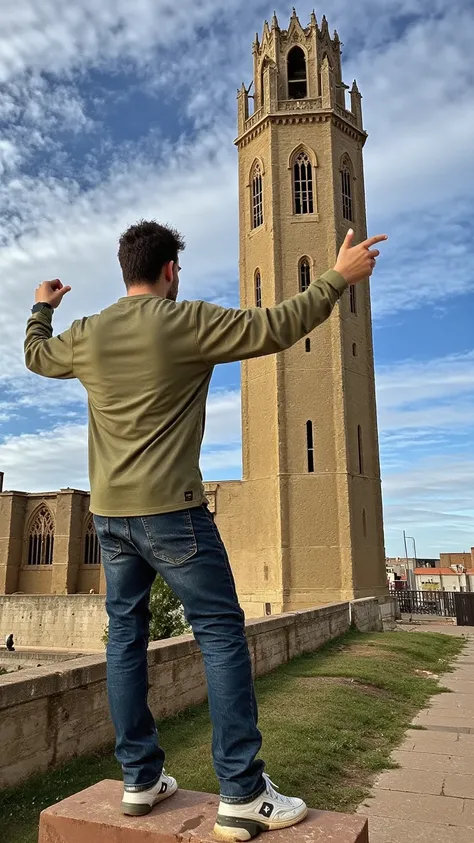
366 615
55 713
77 621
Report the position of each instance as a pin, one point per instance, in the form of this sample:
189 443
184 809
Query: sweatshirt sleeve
46 355
227 335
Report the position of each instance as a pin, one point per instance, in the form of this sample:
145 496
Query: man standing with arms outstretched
146 364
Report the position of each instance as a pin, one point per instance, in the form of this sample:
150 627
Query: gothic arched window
304 274
257 196
91 544
258 289
303 187
346 190
41 538
297 75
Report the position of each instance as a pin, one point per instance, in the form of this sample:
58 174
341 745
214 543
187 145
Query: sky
115 111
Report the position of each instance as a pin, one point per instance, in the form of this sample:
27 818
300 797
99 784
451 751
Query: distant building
444 579
466 560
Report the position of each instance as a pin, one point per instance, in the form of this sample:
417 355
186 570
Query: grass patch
329 720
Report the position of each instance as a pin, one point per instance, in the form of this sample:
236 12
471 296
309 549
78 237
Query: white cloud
223 426
427 261
434 501
52 459
426 419
56 38
56 457
429 395
75 236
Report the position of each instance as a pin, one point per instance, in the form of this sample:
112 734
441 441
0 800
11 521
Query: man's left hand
51 292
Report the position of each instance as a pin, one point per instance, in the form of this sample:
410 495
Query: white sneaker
269 812
136 804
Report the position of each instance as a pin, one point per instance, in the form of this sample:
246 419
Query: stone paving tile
418 807
382 830
459 686
460 785
440 743
468 814
444 718
432 762
411 781
464 674
453 702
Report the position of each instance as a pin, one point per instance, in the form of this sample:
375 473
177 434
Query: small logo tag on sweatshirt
188 497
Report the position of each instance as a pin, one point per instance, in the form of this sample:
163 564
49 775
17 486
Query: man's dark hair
144 250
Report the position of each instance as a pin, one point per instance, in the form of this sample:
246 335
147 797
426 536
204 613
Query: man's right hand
356 263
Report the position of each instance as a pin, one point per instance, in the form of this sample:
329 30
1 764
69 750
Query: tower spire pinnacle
314 21
275 24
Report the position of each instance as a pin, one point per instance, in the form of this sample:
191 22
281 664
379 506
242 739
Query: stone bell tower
310 444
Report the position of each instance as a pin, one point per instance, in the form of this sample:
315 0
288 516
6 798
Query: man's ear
169 274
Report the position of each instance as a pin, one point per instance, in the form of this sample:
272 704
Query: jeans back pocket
110 545
171 536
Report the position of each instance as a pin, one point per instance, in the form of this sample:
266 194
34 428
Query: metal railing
441 603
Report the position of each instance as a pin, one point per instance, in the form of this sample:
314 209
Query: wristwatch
39 306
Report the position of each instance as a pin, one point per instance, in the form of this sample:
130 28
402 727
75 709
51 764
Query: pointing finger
372 241
349 239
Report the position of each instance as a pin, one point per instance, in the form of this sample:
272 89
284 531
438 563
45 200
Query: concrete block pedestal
93 816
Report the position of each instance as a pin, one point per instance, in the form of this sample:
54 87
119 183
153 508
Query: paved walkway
430 799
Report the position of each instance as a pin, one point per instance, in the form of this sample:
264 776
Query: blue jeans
185 548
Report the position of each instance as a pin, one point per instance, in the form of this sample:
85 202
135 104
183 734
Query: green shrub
167 615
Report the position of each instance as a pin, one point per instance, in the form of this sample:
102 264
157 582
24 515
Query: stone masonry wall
55 713
366 615
70 620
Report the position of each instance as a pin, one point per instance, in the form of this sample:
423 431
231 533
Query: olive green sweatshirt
146 364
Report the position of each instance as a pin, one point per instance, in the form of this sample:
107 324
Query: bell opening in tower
297 74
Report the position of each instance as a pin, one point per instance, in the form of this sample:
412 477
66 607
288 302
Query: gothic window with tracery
41 538
346 186
303 184
91 544
257 197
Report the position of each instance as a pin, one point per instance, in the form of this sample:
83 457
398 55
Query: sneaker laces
273 791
